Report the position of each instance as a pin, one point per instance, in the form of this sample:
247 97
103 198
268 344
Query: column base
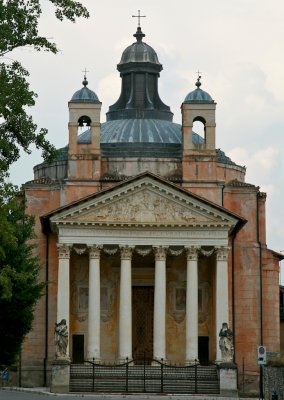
60 376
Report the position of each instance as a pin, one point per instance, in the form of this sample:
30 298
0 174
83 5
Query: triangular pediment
145 202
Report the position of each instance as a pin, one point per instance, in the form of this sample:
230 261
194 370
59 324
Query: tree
19 266
19 28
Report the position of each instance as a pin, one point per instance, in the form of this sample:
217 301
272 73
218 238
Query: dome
140 138
85 95
198 95
139 52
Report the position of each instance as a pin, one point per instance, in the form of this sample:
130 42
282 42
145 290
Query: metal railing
143 376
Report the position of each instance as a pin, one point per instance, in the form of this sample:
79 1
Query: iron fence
144 376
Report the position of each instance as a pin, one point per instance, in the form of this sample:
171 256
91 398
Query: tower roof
85 95
139 52
198 95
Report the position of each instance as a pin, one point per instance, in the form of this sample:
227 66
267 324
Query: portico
174 228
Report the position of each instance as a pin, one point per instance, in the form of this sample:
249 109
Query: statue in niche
61 339
226 343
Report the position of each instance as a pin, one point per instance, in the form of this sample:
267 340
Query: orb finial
198 83
85 82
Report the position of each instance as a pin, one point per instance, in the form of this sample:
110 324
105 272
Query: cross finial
85 73
198 83
198 75
85 82
139 16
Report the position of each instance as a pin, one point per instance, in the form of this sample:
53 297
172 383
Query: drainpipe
46 310
260 268
260 288
233 291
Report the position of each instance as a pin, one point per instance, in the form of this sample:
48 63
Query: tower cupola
198 95
139 69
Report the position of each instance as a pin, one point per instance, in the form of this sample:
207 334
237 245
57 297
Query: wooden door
142 322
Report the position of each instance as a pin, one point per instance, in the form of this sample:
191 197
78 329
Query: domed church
153 244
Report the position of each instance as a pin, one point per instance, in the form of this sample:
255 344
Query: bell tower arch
84 134
198 106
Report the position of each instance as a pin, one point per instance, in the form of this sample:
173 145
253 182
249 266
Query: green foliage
19 267
19 28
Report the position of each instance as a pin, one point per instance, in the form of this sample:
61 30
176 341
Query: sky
238 45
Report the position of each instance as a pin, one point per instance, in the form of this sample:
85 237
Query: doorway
203 350
78 349
142 323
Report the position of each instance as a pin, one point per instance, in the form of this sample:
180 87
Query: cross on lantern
138 16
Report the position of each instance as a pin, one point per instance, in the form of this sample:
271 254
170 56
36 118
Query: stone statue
61 339
226 343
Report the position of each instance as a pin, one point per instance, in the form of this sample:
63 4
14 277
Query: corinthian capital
222 253
192 253
126 252
160 253
94 251
63 250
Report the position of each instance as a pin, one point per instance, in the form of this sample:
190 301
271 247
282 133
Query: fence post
126 375
162 375
195 376
93 384
144 374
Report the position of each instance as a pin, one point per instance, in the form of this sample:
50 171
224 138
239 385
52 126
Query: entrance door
203 350
142 322
78 349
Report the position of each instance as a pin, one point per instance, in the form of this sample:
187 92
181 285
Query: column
191 324
125 305
222 295
159 333
94 304
63 296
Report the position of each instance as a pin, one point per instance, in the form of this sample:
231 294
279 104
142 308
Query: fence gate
143 376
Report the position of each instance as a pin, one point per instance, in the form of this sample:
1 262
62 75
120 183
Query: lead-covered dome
198 95
139 52
85 95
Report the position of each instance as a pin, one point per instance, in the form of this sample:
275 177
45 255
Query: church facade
149 236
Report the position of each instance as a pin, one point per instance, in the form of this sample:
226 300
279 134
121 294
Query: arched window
199 127
84 121
84 129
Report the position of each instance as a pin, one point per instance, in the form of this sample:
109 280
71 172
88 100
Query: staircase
129 378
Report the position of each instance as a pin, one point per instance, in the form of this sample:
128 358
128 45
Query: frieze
143 233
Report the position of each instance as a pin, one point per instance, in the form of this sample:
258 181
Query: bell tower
198 106
198 153
84 134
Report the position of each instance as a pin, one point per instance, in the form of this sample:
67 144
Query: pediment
146 202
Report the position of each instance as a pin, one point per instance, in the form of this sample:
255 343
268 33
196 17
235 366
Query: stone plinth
60 376
228 379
